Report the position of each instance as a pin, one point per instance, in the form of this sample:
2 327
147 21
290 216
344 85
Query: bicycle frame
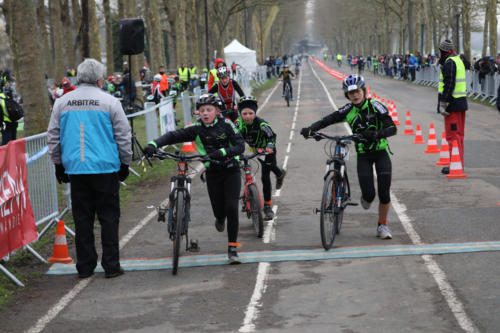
249 180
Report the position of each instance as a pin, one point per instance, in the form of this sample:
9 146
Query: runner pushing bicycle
372 121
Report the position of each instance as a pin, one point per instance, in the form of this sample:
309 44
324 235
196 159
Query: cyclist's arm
181 135
291 73
268 133
280 75
388 127
332 118
238 88
214 89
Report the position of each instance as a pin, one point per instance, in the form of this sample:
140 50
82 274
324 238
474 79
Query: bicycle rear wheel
256 210
287 95
345 195
179 225
327 218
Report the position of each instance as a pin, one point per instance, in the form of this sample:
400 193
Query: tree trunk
435 27
466 28
56 36
485 30
84 29
30 78
418 27
411 23
95 44
180 30
171 8
493 28
77 22
68 38
42 25
427 22
110 62
155 36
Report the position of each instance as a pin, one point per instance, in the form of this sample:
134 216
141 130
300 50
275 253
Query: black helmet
353 82
208 99
247 102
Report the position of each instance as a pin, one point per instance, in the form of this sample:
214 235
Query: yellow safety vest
339 57
460 89
4 110
193 70
214 74
183 74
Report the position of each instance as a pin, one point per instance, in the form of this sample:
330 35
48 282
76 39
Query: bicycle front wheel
256 210
327 218
179 225
344 194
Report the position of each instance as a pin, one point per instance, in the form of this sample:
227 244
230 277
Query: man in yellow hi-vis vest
184 75
452 92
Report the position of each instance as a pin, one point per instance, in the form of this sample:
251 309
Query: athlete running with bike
220 140
259 134
285 76
372 121
227 88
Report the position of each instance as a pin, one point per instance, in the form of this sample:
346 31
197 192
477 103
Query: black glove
61 176
123 172
216 155
370 135
306 132
149 150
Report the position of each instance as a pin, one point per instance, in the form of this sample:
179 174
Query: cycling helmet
353 82
218 61
285 66
222 71
208 99
248 102
157 77
65 81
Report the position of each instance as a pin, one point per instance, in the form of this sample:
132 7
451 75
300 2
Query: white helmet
157 77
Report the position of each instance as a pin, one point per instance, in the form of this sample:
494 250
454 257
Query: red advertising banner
17 223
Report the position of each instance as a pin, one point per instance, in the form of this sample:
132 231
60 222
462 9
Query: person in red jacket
66 86
212 75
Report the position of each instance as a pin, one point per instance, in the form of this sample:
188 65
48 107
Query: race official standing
89 143
452 94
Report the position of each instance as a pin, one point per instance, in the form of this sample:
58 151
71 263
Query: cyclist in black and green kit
372 121
259 134
286 74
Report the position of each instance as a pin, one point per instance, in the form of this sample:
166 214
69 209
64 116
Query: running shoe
365 204
268 211
383 232
280 179
232 256
219 224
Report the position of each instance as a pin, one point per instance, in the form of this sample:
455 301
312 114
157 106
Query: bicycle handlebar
248 157
342 138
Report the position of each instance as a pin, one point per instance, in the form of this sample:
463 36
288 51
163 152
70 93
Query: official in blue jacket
89 142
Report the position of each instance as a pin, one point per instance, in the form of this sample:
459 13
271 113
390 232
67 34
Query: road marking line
293 125
291 135
297 255
71 294
285 162
288 147
269 231
456 307
255 303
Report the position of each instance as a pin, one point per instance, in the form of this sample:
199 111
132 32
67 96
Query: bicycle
287 93
336 189
177 213
251 199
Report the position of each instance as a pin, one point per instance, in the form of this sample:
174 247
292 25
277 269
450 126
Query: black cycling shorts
383 167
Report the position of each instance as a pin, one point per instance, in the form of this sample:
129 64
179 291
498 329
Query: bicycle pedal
316 210
193 246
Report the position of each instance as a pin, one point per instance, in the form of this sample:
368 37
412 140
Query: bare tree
155 36
42 26
110 61
77 22
493 27
466 27
485 28
57 71
95 43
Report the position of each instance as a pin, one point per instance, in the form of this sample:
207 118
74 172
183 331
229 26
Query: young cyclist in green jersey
259 134
371 120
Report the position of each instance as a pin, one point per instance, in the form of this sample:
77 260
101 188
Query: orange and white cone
444 154
456 168
432 147
188 147
383 100
408 124
419 137
394 116
60 254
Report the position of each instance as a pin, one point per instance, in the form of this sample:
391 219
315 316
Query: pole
457 42
207 60
422 39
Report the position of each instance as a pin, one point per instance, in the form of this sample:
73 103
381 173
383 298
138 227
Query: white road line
251 312
255 303
288 147
293 125
455 305
291 135
70 295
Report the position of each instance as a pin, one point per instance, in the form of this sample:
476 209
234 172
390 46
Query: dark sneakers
85 275
232 256
219 224
110 275
268 211
280 179
445 170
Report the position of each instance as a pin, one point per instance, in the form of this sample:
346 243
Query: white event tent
241 55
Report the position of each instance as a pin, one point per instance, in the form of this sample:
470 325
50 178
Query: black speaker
131 36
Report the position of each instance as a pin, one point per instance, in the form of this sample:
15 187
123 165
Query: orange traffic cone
188 147
444 154
418 137
383 100
60 254
456 169
432 147
408 125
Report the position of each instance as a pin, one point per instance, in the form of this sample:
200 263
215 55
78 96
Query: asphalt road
415 293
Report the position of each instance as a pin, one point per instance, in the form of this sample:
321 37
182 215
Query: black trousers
269 164
10 132
224 187
285 82
383 167
91 195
